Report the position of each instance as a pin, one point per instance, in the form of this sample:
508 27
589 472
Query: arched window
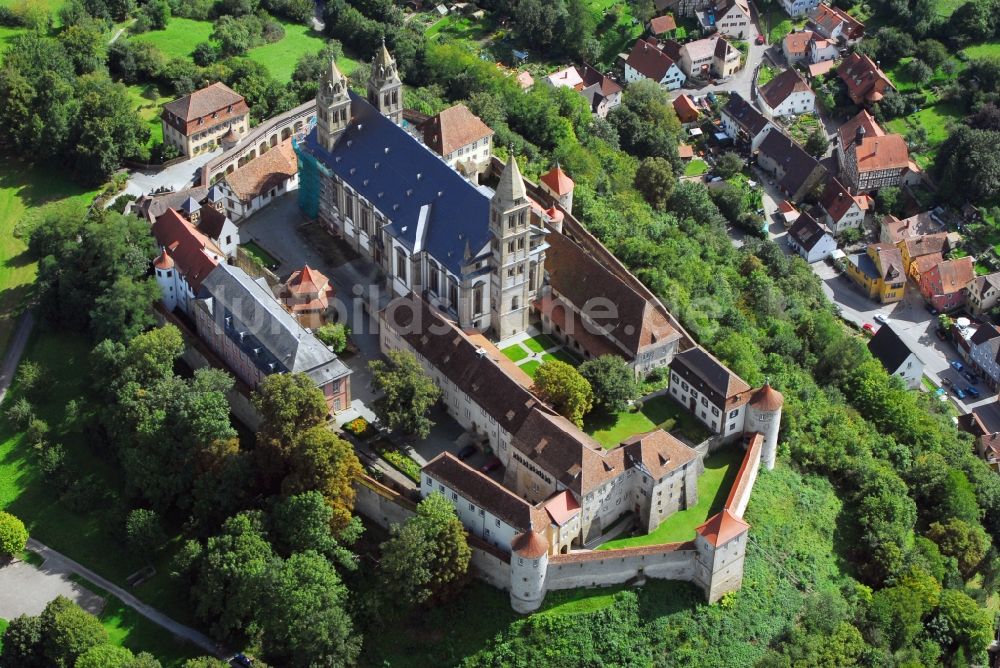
401 264
515 303
452 292
432 278
477 299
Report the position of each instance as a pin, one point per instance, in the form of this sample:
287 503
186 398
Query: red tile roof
562 507
767 399
722 528
797 42
307 290
837 199
194 254
213 104
264 172
658 452
452 129
955 274
662 24
865 81
686 109
557 181
530 545
164 261
685 151
879 153
780 87
648 60
863 120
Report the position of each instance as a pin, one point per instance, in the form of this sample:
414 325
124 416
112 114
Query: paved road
15 351
27 589
62 565
176 177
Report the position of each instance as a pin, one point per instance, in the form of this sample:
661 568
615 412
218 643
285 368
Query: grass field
713 488
179 38
531 367
945 8
23 188
258 253
127 628
615 37
984 50
540 343
658 412
562 356
695 167
148 101
88 536
936 121
515 352
280 58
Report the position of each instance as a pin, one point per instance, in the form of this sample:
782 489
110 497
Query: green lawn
148 101
258 253
8 33
515 352
936 121
696 167
766 74
614 37
127 628
3 627
530 367
984 50
562 356
661 412
89 536
713 489
540 343
179 38
945 8
280 58
23 188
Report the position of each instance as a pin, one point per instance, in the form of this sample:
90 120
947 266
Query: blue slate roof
430 206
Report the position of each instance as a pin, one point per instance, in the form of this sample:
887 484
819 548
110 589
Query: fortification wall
491 568
380 504
670 561
739 494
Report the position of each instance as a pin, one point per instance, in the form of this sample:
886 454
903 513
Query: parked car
466 452
959 392
492 465
957 366
972 392
241 661
760 39
945 382
972 378
868 327
881 318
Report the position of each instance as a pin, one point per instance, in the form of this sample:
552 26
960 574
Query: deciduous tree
559 384
655 180
612 381
408 393
13 536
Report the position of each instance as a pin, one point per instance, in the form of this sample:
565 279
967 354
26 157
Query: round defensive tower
164 269
529 560
764 417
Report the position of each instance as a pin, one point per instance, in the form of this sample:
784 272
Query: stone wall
489 567
670 561
380 504
739 495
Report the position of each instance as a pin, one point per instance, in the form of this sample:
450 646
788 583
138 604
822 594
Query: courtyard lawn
695 167
530 367
662 412
540 343
562 356
515 352
23 188
147 100
713 489
280 58
88 535
179 38
127 628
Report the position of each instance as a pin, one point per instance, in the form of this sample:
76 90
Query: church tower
510 241
385 90
333 107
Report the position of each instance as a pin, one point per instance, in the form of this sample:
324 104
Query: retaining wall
669 561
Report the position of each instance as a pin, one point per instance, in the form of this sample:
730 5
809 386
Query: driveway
175 177
27 589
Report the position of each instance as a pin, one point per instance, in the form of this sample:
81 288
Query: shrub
21 413
29 375
404 464
52 462
38 431
144 532
13 535
357 426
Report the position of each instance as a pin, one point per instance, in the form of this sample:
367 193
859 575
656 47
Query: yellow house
913 248
879 271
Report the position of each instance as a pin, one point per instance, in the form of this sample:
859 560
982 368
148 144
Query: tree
612 381
304 522
919 71
559 384
13 536
306 623
287 403
817 142
144 532
967 165
86 46
334 334
21 644
427 556
106 656
646 122
68 631
110 128
887 200
126 309
729 164
969 626
408 393
204 54
205 662
655 180
960 539
932 52
156 14
321 461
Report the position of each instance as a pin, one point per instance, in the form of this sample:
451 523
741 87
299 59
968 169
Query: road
15 350
58 563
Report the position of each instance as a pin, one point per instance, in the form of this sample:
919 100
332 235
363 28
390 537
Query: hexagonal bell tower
510 243
333 107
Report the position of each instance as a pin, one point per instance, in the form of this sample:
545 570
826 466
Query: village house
241 321
943 285
687 111
923 252
196 123
648 61
595 313
896 357
306 294
983 422
710 391
798 7
710 56
892 230
789 214
744 124
795 171
812 240
662 26
983 292
866 82
729 17
984 354
458 136
879 271
787 94
795 46
870 159
835 24
602 92
822 51
842 210
256 184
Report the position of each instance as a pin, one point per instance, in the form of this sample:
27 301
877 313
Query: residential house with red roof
922 252
687 111
787 94
662 25
460 137
186 259
870 159
983 422
307 294
647 60
943 286
893 230
602 92
866 82
842 210
729 17
197 122
835 24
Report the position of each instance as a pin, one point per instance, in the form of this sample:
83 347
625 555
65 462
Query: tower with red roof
721 543
557 183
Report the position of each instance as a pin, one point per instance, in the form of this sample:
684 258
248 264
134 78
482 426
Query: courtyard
528 351
658 412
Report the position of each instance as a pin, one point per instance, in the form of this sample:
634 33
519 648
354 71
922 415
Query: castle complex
466 266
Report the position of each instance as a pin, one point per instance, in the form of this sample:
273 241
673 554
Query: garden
695 167
383 447
531 353
660 412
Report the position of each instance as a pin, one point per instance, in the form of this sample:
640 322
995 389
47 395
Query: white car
881 318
